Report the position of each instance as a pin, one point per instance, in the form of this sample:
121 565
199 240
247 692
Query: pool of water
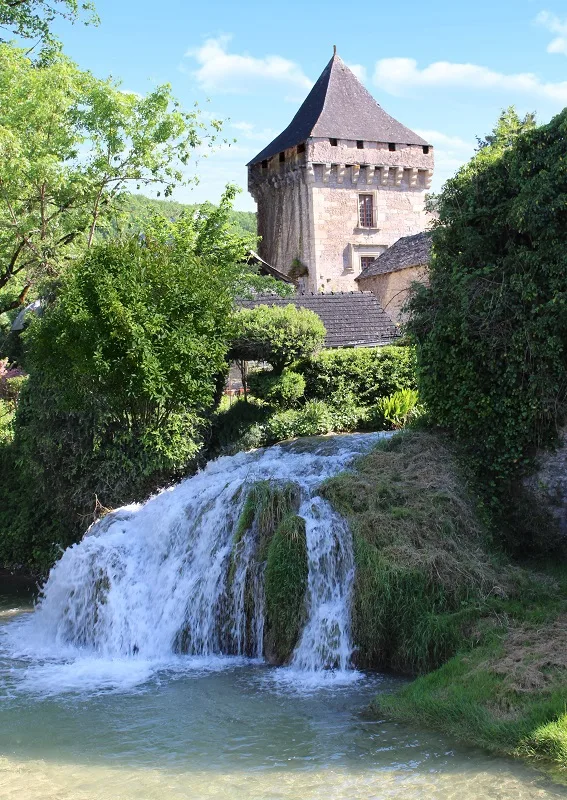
86 729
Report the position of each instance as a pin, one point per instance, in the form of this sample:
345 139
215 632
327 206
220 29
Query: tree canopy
491 327
277 334
32 19
70 144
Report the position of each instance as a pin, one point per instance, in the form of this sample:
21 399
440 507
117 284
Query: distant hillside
137 210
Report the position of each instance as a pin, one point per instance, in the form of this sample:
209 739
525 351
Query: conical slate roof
339 106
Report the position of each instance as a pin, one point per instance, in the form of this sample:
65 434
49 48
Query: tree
31 19
70 145
279 335
491 327
123 367
209 232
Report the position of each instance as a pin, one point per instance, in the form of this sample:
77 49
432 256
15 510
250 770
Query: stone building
390 276
341 184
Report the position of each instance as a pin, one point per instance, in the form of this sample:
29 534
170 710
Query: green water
228 733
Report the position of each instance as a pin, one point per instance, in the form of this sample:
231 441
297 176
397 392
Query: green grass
508 694
285 582
422 566
435 597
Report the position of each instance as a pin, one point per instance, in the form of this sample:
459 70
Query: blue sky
444 69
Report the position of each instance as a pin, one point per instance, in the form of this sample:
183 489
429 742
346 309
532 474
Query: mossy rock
285 586
422 559
269 515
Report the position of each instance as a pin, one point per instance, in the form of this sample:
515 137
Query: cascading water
166 577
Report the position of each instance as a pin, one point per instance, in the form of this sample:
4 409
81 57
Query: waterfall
171 576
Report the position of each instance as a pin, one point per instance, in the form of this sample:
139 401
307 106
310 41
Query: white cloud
554 24
451 152
222 71
397 74
438 139
251 133
359 70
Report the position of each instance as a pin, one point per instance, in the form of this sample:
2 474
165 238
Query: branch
19 301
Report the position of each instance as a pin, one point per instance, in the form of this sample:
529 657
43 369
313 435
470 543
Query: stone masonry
308 191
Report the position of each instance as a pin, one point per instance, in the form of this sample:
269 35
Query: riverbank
436 596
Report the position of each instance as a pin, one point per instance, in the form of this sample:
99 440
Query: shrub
7 412
368 372
315 418
491 327
282 425
282 391
395 411
10 388
239 427
277 334
346 412
122 366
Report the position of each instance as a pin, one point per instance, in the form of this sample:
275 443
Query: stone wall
308 206
549 482
339 241
392 288
285 215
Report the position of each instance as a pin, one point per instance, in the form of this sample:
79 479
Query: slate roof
409 251
267 269
339 106
352 319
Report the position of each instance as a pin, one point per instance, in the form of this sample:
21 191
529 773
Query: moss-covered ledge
436 597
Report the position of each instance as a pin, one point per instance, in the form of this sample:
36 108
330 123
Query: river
221 729
118 686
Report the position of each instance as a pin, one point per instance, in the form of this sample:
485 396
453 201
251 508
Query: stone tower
342 183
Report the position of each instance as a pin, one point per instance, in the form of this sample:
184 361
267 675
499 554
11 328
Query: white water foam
150 581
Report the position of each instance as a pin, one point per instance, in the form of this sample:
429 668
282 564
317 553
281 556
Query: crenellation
311 193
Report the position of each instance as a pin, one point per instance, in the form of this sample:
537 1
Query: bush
315 418
347 414
281 426
122 366
368 372
282 391
239 427
491 327
395 411
277 334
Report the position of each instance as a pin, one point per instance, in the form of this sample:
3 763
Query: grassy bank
435 596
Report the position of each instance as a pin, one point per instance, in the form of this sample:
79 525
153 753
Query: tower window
301 147
366 261
366 210
426 149
392 147
265 164
360 144
334 142
282 157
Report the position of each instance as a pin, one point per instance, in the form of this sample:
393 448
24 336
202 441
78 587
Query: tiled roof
339 106
352 319
409 251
